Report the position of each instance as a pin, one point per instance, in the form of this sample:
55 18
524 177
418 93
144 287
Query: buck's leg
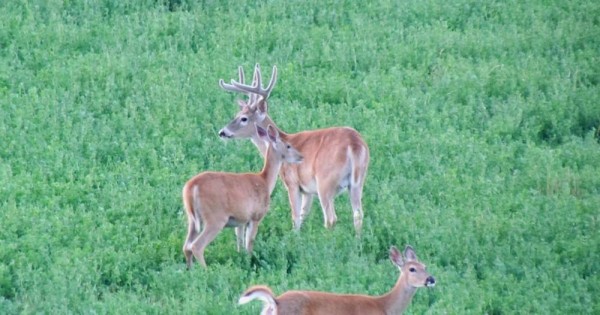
295 203
187 245
356 202
251 231
208 235
239 234
307 200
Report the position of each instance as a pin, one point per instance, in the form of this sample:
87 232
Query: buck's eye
244 119
412 269
289 146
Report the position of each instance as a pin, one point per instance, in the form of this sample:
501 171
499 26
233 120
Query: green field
482 118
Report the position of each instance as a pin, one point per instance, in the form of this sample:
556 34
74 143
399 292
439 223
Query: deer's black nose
224 134
430 281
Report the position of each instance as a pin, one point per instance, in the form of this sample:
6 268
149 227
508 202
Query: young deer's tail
264 294
193 206
196 203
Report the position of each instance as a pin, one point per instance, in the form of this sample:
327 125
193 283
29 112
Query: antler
253 90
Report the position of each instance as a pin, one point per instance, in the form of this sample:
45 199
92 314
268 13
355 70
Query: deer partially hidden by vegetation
215 200
413 276
335 158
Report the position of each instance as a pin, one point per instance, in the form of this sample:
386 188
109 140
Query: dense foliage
482 118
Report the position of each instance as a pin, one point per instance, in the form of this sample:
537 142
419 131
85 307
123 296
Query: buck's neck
271 167
397 300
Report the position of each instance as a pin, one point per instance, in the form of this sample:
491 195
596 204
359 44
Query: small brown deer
215 200
335 158
413 276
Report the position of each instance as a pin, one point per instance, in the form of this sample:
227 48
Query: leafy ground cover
482 118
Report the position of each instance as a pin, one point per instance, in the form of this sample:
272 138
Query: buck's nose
224 134
430 281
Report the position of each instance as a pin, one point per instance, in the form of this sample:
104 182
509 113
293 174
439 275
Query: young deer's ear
261 132
396 257
409 253
273 133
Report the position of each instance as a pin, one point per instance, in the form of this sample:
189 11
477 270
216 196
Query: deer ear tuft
396 257
262 133
273 133
261 105
409 253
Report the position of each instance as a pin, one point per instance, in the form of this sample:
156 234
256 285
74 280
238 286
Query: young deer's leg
187 245
208 235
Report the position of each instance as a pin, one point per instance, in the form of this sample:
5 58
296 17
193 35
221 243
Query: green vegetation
483 120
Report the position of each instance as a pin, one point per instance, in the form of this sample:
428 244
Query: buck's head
253 111
411 268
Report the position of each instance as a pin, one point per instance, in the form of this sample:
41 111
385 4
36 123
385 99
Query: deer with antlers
215 200
413 275
335 159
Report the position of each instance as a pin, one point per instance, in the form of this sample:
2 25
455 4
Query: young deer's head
411 268
253 110
282 150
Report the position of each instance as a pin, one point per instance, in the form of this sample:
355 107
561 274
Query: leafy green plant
482 119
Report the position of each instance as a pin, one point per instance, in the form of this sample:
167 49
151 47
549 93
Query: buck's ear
261 107
396 257
409 253
261 132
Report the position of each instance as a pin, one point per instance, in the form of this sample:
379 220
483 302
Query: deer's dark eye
412 269
289 146
244 119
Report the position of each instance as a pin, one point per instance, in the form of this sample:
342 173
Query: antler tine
253 90
231 87
272 81
248 88
241 72
251 96
257 80
256 84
